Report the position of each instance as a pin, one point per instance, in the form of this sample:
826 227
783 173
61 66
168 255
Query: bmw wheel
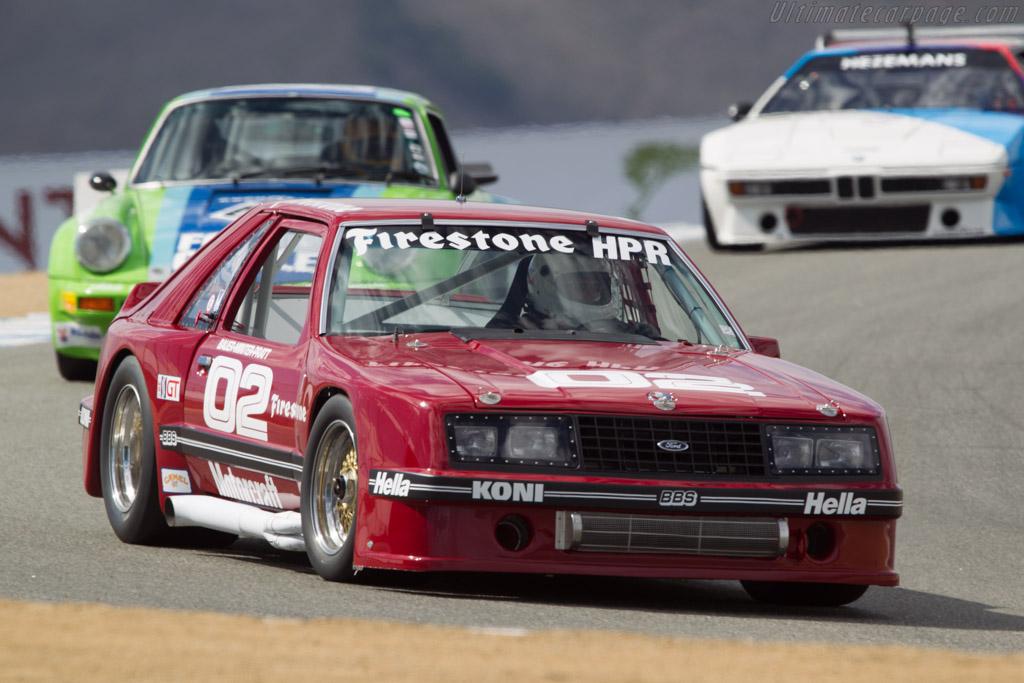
127 461
804 594
330 491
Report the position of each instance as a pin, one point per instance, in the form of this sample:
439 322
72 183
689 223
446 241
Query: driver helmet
572 288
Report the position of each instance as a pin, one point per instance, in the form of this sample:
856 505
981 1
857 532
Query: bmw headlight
814 450
511 440
102 244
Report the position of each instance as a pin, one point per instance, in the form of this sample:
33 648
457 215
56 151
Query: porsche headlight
511 439
814 450
102 244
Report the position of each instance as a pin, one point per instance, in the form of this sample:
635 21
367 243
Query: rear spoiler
856 35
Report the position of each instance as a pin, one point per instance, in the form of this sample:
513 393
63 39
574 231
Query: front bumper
424 522
872 216
76 332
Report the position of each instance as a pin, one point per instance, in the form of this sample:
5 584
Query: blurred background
588 104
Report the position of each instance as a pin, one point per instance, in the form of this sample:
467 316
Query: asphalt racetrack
932 332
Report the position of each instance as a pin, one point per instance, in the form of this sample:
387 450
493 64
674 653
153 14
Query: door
246 397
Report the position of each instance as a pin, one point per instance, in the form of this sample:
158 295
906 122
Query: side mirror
101 181
766 346
739 110
461 182
482 173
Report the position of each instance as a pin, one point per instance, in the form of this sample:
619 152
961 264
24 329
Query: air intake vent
717 536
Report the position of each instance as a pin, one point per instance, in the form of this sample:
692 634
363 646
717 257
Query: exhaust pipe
283 530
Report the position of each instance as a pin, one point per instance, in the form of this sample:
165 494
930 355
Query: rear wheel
127 462
804 594
330 489
76 369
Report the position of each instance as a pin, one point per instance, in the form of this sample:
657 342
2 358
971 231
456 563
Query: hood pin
662 400
828 409
490 398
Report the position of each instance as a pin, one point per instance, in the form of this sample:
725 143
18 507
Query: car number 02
238 414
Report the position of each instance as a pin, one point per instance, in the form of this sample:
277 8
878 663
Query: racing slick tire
330 491
804 594
76 369
712 236
127 458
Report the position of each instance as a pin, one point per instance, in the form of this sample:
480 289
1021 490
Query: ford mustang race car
416 385
877 134
214 154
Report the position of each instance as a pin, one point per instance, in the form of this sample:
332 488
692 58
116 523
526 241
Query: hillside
85 76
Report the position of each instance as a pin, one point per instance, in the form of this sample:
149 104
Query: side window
277 304
447 153
204 308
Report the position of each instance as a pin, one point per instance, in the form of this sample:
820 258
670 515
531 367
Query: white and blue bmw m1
876 134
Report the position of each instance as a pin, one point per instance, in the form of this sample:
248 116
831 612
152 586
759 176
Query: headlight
815 450
511 440
748 188
476 441
960 183
102 244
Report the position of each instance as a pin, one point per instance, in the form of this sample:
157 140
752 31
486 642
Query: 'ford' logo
673 445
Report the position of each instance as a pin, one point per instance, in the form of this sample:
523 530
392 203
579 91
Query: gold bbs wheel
335 486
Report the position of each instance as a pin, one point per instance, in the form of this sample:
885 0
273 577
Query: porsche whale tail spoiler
843 36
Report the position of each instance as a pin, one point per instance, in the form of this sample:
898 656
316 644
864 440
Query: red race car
423 385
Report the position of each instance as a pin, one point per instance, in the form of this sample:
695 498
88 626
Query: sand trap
85 642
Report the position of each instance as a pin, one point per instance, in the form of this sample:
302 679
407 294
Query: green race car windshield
934 78
288 137
508 282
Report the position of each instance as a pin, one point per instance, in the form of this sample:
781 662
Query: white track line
33 328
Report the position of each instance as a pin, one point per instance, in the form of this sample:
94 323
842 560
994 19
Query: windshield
975 79
271 137
508 282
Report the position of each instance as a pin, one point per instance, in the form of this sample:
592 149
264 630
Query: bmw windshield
974 79
520 283
288 137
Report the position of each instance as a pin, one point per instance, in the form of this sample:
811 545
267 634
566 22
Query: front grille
630 444
718 536
912 184
800 187
857 219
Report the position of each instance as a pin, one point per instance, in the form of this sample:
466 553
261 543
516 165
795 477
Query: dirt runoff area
87 642
22 293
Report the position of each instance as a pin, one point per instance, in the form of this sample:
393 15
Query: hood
176 220
585 376
862 140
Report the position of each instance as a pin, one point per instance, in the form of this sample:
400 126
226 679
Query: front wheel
804 594
127 458
330 491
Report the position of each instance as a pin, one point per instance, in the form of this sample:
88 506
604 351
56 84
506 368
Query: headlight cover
822 450
528 440
102 244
